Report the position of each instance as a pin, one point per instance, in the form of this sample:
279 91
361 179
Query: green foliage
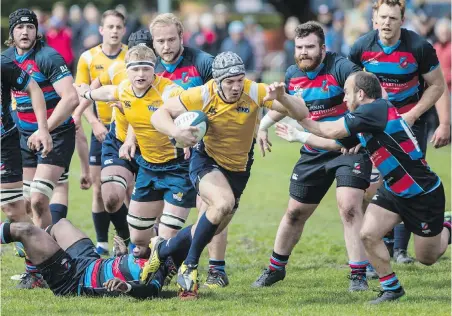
316 282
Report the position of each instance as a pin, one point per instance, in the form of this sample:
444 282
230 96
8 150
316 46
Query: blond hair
167 19
140 53
114 13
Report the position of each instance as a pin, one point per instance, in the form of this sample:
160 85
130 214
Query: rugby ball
193 118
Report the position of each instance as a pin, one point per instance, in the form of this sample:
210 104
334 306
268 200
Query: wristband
302 137
266 123
129 287
87 95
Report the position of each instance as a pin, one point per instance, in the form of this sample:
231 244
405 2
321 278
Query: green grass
316 282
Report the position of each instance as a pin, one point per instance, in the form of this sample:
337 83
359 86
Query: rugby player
220 164
162 183
411 193
69 263
318 77
408 69
11 186
90 65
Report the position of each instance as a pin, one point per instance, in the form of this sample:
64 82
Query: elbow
72 100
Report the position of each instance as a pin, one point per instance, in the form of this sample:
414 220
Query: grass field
316 281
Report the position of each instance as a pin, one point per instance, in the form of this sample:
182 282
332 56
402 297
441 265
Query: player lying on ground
411 193
68 261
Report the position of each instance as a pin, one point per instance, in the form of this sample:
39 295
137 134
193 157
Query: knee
39 204
426 260
23 230
297 215
367 237
112 203
225 206
349 212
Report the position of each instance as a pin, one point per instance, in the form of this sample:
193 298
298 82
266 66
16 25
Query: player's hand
409 119
85 181
119 246
187 153
441 137
116 285
275 91
287 132
117 105
99 131
127 151
38 139
264 142
351 151
81 89
184 136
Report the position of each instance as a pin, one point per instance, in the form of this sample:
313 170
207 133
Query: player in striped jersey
68 261
412 192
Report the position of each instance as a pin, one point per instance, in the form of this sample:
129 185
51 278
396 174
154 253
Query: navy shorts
65 269
110 154
423 214
11 160
61 154
201 164
95 150
168 181
314 174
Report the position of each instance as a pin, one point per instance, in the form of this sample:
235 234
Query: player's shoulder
337 60
90 53
413 39
197 55
366 40
8 53
293 71
5 59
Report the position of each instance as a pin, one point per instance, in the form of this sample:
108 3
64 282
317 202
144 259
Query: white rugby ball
193 118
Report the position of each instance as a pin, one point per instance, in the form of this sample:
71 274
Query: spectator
77 24
220 12
237 43
59 35
443 48
255 35
42 20
205 37
90 33
132 23
289 44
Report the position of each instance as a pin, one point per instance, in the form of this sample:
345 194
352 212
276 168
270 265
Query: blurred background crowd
260 31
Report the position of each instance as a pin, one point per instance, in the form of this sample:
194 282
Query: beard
25 46
309 64
171 58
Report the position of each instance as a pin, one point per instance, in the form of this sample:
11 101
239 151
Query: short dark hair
112 13
369 83
309 28
393 3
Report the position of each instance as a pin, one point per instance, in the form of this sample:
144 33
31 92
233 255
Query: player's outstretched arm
285 103
331 130
105 93
163 121
291 134
85 103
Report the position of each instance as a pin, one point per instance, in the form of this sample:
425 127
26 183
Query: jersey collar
312 74
171 67
22 58
389 49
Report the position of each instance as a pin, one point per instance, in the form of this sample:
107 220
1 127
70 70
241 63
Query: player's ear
101 30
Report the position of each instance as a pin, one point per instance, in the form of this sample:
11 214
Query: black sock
58 212
101 224
119 220
5 233
177 246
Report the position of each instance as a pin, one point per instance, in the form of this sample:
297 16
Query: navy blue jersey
322 89
46 67
399 68
13 79
192 69
392 147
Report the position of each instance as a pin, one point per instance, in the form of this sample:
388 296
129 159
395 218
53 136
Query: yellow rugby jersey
231 126
114 75
155 147
90 65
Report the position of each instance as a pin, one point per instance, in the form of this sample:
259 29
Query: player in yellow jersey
162 183
220 164
91 64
